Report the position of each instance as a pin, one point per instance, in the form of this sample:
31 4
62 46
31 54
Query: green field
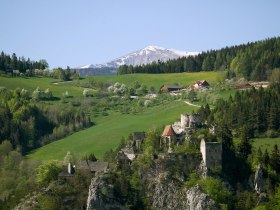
266 143
108 131
32 83
157 80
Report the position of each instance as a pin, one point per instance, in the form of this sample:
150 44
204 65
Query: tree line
258 109
253 61
13 62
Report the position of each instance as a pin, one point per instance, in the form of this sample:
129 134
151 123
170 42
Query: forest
9 63
27 124
256 109
253 61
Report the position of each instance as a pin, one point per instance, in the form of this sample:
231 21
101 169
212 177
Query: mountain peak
153 48
144 56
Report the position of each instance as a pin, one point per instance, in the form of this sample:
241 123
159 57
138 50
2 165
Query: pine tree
244 147
275 159
266 158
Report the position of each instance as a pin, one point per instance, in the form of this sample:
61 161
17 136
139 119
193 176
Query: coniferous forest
253 61
9 63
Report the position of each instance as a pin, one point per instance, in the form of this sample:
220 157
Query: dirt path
189 103
57 83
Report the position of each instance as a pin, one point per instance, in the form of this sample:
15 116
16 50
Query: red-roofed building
168 136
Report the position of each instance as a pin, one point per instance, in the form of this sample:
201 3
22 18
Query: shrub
47 172
271 134
85 92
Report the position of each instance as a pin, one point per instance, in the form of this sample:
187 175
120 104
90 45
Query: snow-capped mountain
143 56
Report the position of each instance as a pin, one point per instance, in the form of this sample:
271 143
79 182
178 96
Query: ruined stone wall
184 120
211 154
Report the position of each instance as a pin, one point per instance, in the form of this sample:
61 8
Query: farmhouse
170 88
200 84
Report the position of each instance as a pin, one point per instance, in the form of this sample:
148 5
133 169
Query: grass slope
266 143
157 80
108 131
33 82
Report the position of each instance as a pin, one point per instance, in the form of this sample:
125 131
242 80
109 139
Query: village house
200 84
170 88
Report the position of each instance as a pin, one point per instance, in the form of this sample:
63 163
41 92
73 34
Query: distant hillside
254 61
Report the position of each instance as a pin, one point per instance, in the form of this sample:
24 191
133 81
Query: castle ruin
211 154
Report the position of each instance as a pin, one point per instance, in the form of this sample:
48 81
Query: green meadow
108 131
31 83
266 143
157 80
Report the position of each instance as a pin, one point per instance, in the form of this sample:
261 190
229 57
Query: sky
80 32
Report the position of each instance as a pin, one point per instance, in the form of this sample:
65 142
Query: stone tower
211 154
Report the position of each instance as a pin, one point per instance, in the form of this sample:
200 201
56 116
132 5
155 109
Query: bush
216 190
47 172
271 134
85 92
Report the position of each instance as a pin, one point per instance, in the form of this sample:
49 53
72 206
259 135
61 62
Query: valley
212 136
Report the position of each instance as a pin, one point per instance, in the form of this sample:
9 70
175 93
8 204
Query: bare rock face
258 181
168 194
197 200
101 195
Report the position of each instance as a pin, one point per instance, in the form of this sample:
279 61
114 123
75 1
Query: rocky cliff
162 196
164 187
101 195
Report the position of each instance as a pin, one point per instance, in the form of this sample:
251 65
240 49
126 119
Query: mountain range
139 57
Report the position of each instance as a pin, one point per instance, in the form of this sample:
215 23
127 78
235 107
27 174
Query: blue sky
79 32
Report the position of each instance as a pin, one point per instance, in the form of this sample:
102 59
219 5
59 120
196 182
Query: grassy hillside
108 131
33 82
266 143
156 80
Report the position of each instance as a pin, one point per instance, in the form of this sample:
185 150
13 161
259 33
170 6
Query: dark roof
170 87
174 87
202 82
138 135
93 166
168 131
98 166
82 164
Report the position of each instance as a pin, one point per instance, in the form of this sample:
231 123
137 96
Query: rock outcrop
101 196
197 200
258 181
167 195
